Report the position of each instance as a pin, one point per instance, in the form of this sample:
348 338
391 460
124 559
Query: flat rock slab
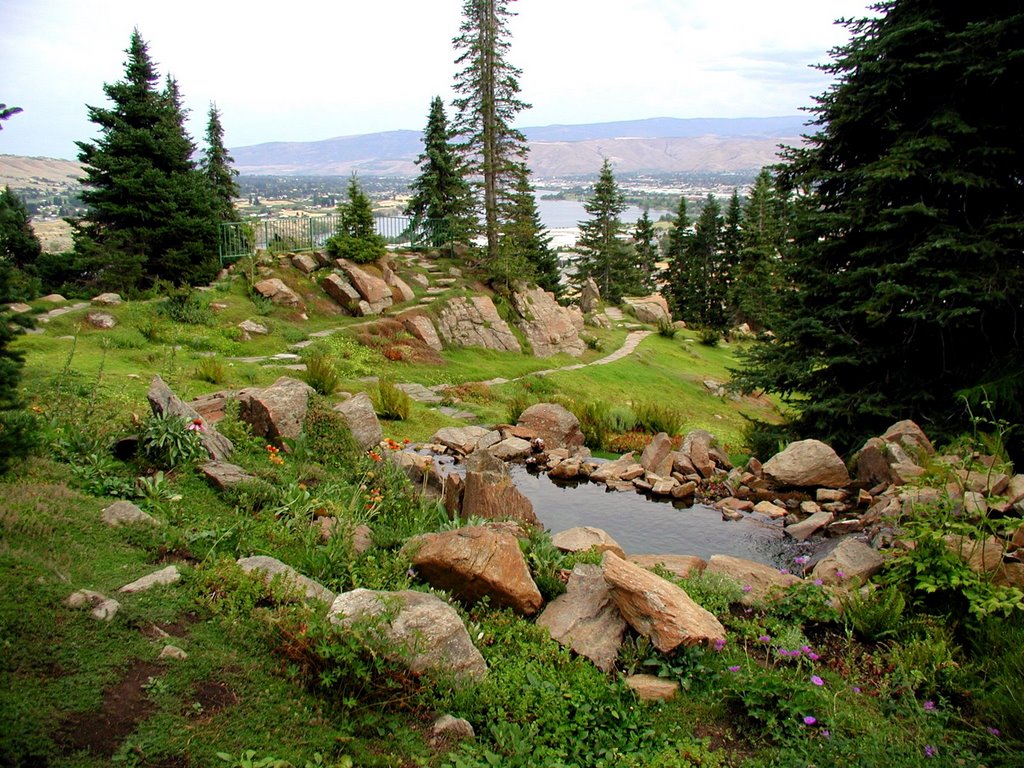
852 559
652 688
272 568
584 538
586 619
223 475
429 632
163 577
658 609
806 528
759 581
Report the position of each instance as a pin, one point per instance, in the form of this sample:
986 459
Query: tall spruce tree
149 212
756 281
216 167
442 201
525 251
645 250
19 249
604 254
674 277
906 266
704 271
488 101
357 237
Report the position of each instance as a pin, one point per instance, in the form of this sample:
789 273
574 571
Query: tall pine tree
604 255
645 251
906 266
216 167
756 281
700 300
19 249
488 101
674 277
525 251
149 211
442 201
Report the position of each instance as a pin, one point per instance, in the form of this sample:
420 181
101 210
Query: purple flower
840 575
855 689
810 719
817 680
783 571
929 705
747 587
805 648
735 668
802 560
929 751
719 644
765 638
993 731
818 582
825 733
813 656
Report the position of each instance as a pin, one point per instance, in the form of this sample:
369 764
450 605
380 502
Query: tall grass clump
390 402
321 375
594 421
658 417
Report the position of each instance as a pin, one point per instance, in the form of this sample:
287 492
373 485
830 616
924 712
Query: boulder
163 577
511 449
807 463
271 568
590 296
770 509
125 513
585 618
53 298
701 451
657 608
852 559
400 290
107 300
804 529
277 292
163 401
981 556
223 475
447 729
651 309
358 412
474 562
460 440
277 411
759 581
872 464
372 289
421 328
911 438
652 687
339 289
553 424
613 470
658 455
490 493
103 608
680 565
474 322
102 321
549 327
304 263
584 538
251 328
420 630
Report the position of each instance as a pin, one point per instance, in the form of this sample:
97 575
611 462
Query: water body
642 525
562 217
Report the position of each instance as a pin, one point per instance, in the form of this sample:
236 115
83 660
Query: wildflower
406 440
818 582
765 638
826 733
817 680
747 587
719 644
196 426
801 560
840 575
929 705
810 719
783 571
735 668
929 751
855 689
813 656
993 731
805 648
374 455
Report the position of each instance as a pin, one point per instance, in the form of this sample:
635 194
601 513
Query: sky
306 70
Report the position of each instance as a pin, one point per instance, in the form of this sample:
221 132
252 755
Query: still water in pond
642 525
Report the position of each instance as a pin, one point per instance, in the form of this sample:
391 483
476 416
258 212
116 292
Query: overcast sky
304 70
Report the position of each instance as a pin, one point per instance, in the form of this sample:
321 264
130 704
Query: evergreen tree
19 249
604 254
149 210
674 278
216 167
756 284
488 103
442 200
906 266
525 251
701 299
645 249
357 237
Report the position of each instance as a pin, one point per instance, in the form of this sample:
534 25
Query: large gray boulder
658 609
553 424
277 292
125 513
359 414
163 401
807 463
651 309
549 327
271 568
277 411
852 559
474 321
491 494
585 618
476 562
420 630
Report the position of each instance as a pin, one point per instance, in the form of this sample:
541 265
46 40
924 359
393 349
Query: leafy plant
875 614
212 370
321 374
667 329
390 402
185 305
171 441
654 417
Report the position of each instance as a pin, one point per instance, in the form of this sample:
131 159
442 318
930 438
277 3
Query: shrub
391 402
875 615
666 328
710 337
594 422
351 359
212 370
184 305
621 418
321 375
171 441
657 417
516 404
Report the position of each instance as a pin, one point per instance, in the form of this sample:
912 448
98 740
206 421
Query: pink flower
817 680
747 587
855 689
818 582
813 656
719 644
802 560
929 751
783 571
810 719
826 733
765 638
929 705
735 668
993 731
840 575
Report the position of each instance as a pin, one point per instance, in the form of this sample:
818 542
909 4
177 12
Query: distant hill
656 145
40 173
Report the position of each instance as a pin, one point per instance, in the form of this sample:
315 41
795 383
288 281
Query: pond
645 525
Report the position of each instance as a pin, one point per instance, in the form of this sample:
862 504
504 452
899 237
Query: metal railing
308 233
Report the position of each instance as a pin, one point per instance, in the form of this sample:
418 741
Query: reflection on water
642 525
